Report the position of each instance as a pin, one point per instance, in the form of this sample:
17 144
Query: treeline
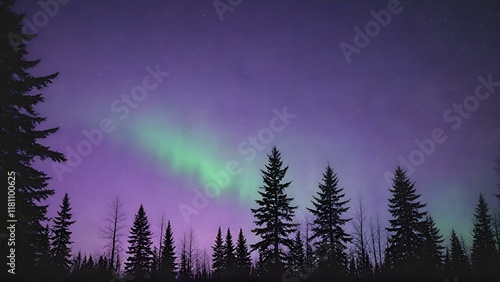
323 251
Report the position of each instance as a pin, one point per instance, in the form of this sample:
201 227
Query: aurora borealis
217 114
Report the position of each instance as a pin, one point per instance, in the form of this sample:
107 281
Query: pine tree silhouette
138 263
432 256
483 257
406 238
328 226
43 256
168 265
459 264
20 137
296 257
243 260
61 240
274 216
218 257
229 257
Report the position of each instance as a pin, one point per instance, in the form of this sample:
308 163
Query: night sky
183 94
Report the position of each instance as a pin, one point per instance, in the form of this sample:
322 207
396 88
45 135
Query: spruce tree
20 141
218 256
138 263
229 257
328 226
274 215
458 264
243 260
43 259
61 239
296 257
168 265
431 260
406 238
483 258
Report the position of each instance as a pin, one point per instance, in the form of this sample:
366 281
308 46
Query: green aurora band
194 153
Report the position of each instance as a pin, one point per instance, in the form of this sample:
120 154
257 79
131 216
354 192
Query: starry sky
175 104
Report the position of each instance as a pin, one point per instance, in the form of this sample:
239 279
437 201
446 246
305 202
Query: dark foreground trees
484 258
406 226
273 218
138 263
168 262
61 240
113 232
20 137
243 259
329 207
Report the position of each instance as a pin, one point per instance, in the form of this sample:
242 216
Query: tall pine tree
168 265
243 261
328 226
459 264
407 223
218 256
61 239
43 259
296 257
483 257
432 256
20 136
229 257
138 263
274 215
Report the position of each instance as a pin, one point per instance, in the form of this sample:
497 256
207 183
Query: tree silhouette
483 257
274 215
459 264
360 240
243 261
329 207
61 239
168 265
20 140
218 256
43 256
406 238
187 256
113 232
296 255
432 251
229 257
138 263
